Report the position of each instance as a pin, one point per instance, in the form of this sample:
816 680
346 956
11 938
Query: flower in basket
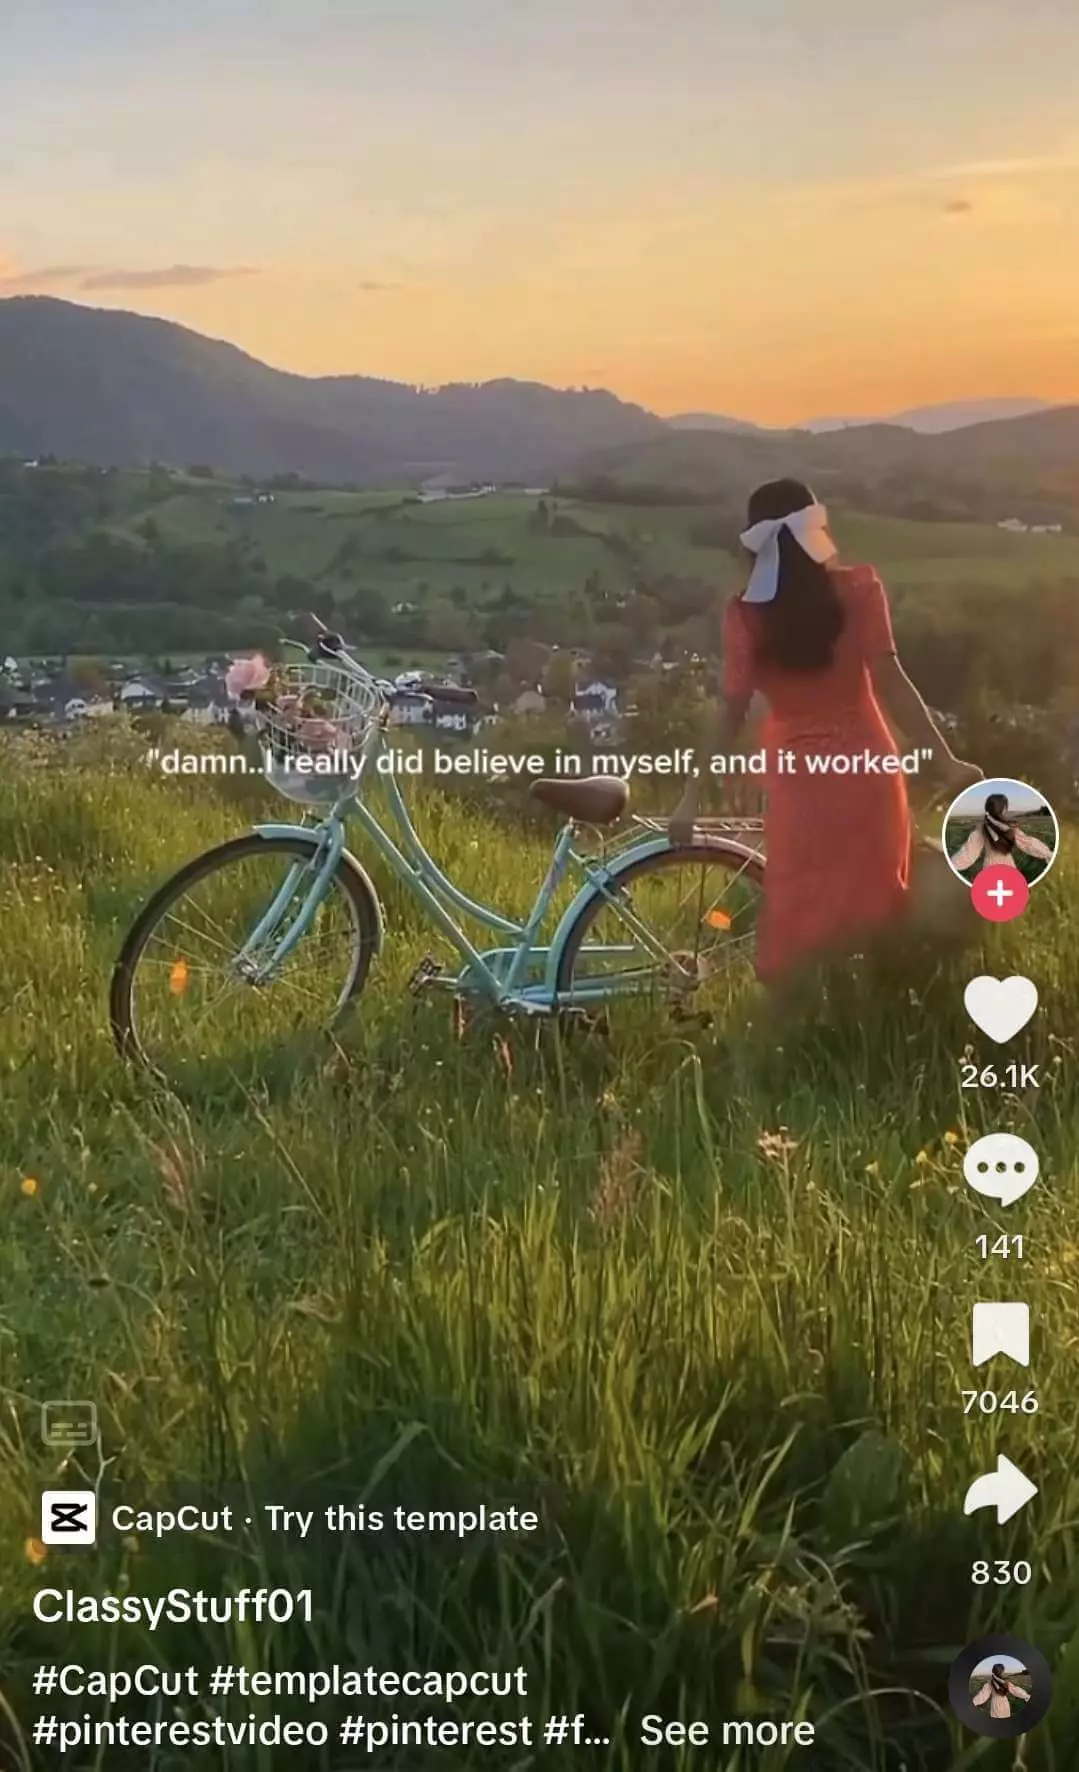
318 735
246 675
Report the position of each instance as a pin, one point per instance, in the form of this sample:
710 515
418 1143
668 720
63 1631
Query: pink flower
321 735
247 674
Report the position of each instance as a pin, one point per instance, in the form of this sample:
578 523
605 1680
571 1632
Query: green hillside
152 563
1022 467
337 539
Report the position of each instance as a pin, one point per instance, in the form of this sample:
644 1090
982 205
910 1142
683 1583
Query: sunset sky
774 208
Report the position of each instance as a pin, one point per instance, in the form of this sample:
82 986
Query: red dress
838 846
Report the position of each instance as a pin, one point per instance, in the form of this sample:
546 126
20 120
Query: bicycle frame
519 974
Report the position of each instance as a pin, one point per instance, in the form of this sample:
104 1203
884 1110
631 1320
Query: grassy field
699 1298
345 539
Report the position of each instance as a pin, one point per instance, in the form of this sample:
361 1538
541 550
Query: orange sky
697 209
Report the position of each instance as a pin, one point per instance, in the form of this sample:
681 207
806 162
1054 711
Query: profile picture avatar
1000 1686
1001 824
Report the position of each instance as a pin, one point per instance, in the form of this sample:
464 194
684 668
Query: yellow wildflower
28 1186
777 1145
35 1551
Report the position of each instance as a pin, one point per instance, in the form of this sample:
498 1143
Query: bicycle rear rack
711 827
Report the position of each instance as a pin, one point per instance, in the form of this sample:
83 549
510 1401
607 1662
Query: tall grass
700 1299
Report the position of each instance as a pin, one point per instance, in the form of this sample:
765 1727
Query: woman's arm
906 710
720 728
968 854
1033 846
723 720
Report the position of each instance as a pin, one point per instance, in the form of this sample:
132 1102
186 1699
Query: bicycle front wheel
674 926
202 982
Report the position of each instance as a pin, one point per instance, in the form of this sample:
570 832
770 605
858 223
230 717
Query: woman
998 1693
815 639
994 842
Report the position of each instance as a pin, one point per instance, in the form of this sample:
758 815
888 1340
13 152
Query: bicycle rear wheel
673 928
193 990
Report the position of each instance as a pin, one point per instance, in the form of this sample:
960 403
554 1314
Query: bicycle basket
313 728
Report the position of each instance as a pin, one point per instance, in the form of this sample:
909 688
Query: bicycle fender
356 867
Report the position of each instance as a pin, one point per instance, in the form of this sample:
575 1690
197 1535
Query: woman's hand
684 817
957 775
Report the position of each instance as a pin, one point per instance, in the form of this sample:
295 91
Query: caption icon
69 1423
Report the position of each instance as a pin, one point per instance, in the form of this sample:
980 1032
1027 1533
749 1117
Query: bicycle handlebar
326 644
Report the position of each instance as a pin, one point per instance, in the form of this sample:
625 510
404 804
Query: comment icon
1001 1165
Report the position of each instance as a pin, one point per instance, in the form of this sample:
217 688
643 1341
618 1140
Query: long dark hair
997 824
798 629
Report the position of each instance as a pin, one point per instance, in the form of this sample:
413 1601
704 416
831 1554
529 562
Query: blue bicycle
287 919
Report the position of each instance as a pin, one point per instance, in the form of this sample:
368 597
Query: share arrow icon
1006 1489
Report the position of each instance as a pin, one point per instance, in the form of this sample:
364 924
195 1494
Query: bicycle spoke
671 929
199 990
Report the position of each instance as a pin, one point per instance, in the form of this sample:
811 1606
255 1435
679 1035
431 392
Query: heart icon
1001 1006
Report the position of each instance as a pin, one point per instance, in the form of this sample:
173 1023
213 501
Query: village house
596 701
208 701
139 695
76 704
409 709
443 486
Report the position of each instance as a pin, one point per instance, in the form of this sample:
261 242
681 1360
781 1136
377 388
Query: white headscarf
809 528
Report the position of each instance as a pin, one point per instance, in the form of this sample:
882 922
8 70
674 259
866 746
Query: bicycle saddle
594 799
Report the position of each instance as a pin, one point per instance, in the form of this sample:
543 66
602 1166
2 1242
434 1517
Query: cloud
47 276
166 277
371 286
88 278
1066 160
1018 172
958 206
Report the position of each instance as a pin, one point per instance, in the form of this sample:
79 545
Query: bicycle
313 890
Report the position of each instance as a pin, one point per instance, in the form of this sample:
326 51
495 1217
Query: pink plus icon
999 894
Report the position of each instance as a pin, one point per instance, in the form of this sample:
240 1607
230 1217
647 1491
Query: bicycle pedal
429 968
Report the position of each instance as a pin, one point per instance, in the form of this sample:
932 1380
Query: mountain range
121 389
954 415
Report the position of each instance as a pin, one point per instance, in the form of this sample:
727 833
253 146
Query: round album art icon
1003 830
1000 1686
